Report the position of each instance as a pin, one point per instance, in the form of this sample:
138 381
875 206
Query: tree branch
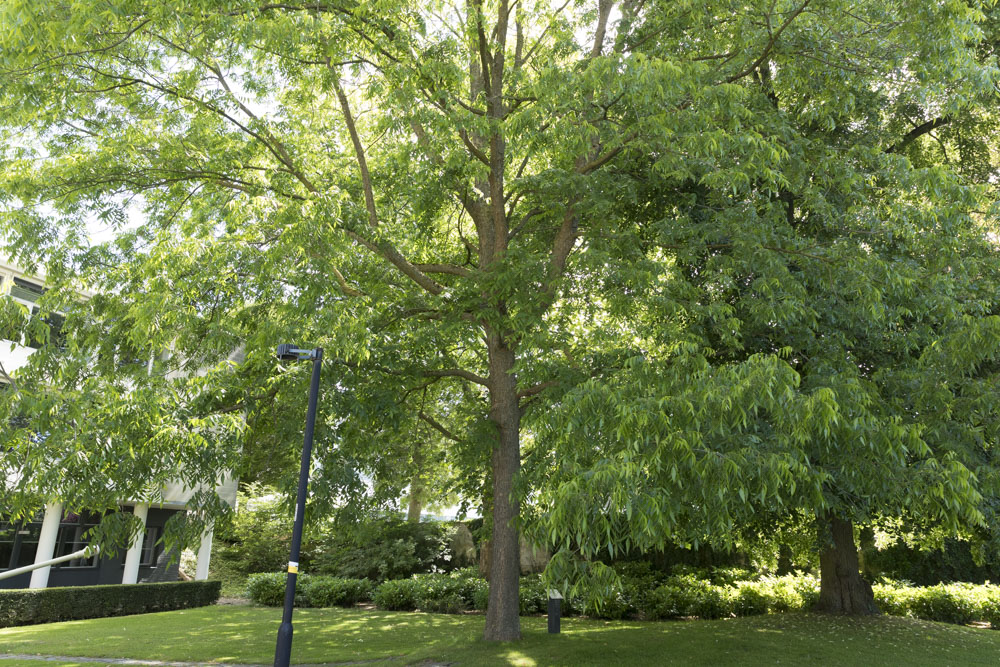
917 132
437 426
770 44
459 373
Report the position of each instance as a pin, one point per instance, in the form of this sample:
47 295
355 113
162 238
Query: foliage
387 548
48 605
674 242
953 561
320 591
397 595
258 535
268 589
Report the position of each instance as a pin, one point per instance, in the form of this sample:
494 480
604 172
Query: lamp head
288 352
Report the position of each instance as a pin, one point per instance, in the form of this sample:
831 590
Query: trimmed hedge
48 605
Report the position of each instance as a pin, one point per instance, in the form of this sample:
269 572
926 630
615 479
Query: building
56 532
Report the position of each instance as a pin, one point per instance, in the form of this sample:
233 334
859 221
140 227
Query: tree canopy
682 261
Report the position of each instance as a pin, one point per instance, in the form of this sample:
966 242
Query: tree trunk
784 559
502 620
842 590
413 510
416 486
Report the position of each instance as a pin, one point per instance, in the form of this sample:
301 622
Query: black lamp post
287 352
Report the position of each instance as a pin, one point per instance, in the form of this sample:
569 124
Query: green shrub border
70 603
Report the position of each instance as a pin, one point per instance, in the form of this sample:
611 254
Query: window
70 541
25 290
149 547
27 535
8 533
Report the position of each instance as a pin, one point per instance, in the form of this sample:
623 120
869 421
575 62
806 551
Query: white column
134 554
204 555
46 544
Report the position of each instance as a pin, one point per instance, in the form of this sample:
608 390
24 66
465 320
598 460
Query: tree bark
784 559
416 485
415 506
842 589
502 620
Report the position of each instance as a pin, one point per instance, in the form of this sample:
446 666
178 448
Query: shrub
397 595
751 599
668 601
257 538
533 597
894 598
267 588
47 605
385 549
991 608
446 604
481 598
789 592
948 603
320 591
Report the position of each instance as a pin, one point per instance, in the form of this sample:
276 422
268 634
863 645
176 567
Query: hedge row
47 605
312 590
717 594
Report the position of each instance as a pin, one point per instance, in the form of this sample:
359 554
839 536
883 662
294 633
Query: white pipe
46 544
134 554
86 552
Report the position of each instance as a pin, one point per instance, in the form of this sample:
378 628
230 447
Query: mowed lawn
246 634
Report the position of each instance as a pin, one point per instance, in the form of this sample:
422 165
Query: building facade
56 532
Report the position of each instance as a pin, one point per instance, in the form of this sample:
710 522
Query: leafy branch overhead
637 272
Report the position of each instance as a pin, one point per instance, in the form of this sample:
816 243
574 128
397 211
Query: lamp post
287 352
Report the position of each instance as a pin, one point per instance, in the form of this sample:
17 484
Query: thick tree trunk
502 620
842 589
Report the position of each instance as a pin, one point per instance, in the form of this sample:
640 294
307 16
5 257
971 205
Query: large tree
485 195
835 337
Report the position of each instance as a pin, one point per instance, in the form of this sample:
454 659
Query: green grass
246 634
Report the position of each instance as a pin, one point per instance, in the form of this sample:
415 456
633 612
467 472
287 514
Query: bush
953 562
687 595
894 598
752 599
267 588
397 595
533 597
991 608
48 605
385 549
948 603
257 538
447 604
320 591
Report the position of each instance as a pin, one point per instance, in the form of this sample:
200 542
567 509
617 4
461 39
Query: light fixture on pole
288 352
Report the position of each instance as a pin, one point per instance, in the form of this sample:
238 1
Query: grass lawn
246 634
